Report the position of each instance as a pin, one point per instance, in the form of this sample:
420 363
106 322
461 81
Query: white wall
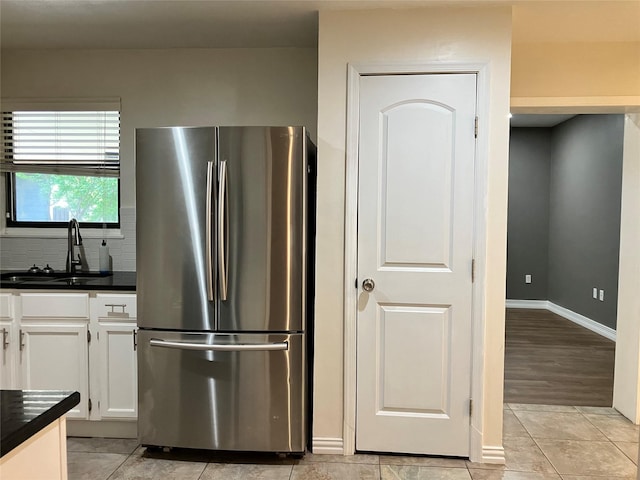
410 37
626 385
265 86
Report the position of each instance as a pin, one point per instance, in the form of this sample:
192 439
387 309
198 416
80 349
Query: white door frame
355 71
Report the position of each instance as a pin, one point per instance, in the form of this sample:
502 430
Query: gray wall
528 220
184 86
584 171
584 220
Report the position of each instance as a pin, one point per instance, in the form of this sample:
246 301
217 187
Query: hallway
551 360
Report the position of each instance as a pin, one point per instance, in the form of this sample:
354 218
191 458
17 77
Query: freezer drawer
222 391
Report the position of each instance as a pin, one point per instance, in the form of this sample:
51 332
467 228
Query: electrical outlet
527 279
602 295
595 292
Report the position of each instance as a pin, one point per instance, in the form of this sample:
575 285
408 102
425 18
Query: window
61 164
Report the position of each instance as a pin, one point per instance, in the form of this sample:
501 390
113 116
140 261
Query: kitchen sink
70 278
81 275
26 278
74 280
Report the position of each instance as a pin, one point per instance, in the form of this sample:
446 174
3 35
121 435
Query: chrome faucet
73 238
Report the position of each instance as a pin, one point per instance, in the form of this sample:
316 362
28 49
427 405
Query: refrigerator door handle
223 231
209 234
241 347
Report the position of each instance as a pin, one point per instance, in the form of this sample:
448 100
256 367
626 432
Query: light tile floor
542 442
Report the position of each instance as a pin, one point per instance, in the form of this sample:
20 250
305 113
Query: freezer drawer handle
240 347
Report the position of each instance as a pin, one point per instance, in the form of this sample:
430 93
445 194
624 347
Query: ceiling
576 21
273 23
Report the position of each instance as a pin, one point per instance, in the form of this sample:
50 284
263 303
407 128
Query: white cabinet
55 305
8 342
54 356
82 341
54 342
118 375
118 371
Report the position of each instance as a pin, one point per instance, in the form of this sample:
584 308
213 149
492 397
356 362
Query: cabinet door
55 357
8 343
7 354
118 370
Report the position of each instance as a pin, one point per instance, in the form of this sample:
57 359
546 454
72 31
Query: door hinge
475 128
90 405
470 407
356 283
473 270
135 340
88 336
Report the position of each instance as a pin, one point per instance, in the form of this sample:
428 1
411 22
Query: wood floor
551 360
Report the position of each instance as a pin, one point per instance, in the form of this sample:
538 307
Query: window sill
112 233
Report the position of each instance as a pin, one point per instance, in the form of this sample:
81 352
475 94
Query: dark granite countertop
25 412
124 281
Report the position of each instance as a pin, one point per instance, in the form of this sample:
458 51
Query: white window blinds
69 138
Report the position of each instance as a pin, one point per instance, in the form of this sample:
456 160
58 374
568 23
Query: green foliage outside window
47 197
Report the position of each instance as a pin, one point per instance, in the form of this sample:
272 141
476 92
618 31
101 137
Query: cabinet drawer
55 305
115 306
5 305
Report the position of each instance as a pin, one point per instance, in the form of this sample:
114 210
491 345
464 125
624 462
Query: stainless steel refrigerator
225 241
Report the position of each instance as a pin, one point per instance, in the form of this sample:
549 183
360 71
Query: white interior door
415 231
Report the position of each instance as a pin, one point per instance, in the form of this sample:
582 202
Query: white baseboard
533 304
484 453
576 318
327 446
493 455
586 322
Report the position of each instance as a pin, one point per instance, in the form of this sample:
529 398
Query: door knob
368 284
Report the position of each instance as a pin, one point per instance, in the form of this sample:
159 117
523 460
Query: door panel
118 370
55 357
9 347
426 391
415 226
8 354
172 166
410 177
264 261
242 400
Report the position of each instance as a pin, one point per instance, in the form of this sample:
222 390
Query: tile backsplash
21 253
